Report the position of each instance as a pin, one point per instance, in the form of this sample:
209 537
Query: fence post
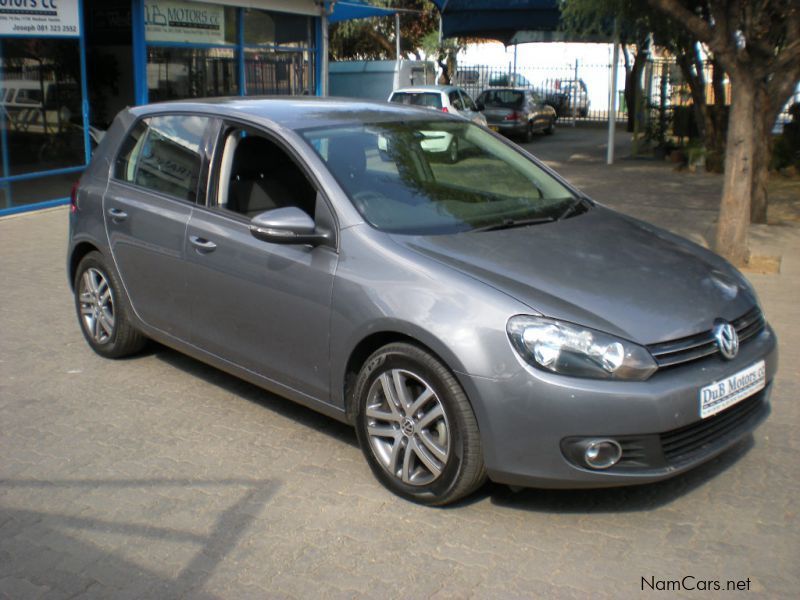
575 96
612 100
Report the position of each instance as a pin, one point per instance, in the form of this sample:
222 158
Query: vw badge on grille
727 339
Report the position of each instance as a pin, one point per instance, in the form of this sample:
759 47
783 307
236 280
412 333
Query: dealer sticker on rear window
724 393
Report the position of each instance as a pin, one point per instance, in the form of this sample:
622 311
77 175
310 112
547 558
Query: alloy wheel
407 427
96 305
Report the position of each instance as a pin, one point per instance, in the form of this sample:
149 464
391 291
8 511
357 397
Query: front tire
416 427
102 312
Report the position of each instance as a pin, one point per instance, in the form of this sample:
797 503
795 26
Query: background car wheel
102 313
551 128
528 137
452 152
416 426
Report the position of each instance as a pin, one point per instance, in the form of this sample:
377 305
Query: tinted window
163 154
430 99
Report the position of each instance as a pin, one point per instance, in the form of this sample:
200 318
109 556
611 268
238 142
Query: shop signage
40 17
187 22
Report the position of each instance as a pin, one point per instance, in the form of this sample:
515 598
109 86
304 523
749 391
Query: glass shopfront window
278 55
196 50
175 73
41 122
277 72
41 104
263 27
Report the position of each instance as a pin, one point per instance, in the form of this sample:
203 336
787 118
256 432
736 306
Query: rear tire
416 427
102 310
528 137
551 128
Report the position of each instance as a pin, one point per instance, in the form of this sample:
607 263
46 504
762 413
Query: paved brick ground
159 477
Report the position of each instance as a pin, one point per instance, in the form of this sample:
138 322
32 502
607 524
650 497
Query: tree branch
697 26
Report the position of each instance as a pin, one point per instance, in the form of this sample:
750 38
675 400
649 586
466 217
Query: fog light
602 454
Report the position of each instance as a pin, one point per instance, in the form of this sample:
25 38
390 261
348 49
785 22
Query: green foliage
374 38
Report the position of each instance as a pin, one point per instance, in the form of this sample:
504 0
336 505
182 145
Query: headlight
577 351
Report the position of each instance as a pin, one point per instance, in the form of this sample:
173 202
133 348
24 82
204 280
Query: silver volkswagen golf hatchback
472 319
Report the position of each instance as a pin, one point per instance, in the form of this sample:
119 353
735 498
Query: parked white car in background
444 98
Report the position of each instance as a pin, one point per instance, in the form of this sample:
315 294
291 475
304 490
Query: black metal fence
577 91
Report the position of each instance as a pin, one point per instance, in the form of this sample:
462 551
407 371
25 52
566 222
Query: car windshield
503 98
438 177
429 99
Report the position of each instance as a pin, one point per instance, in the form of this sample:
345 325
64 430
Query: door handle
117 215
202 244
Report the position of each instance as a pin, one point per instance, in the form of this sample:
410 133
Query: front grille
682 444
693 347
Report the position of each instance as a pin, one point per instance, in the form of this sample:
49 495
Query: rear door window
164 154
429 99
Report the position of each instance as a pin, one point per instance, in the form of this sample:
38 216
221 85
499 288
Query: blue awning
497 19
347 10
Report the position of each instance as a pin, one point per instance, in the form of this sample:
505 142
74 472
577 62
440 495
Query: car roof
295 112
428 88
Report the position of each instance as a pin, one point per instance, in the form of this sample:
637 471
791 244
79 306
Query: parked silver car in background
471 320
517 112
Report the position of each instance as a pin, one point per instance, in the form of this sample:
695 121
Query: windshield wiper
570 210
511 223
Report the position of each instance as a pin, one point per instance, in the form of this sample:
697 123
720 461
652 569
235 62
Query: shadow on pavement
104 571
233 385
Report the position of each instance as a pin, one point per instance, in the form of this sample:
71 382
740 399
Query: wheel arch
371 342
78 252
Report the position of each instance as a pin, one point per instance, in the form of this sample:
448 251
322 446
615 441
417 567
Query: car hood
602 270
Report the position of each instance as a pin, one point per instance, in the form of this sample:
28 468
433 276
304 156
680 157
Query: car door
264 307
155 183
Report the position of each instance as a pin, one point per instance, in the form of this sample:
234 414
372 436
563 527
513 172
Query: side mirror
480 106
288 225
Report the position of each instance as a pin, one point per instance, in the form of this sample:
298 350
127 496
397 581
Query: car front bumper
528 419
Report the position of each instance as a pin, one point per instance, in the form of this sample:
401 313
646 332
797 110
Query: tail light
513 116
444 109
73 198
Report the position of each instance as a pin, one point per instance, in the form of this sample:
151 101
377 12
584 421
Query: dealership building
68 66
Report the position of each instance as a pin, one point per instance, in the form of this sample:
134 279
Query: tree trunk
715 146
763 153
697 88
734 212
